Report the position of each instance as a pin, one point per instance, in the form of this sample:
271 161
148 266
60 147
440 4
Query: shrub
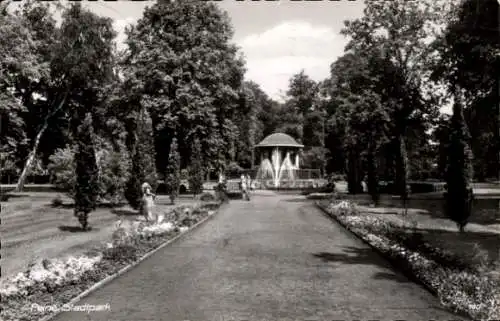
207 197
196 172
133 191
172 178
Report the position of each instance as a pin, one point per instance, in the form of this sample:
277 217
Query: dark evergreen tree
196 171
372 173
354 177
143 158
172 177
459 171
87 172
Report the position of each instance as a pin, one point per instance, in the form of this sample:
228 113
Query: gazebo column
297 160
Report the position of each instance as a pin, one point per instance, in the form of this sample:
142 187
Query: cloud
275 55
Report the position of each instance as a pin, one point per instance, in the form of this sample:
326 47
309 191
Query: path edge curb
130 266
404 270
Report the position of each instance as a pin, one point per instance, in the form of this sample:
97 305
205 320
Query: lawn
481 242
451 263
32 229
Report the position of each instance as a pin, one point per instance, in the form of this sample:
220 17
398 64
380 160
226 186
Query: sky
278 38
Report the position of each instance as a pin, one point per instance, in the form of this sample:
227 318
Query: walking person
221 189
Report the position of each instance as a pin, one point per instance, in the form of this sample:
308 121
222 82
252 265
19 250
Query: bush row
57 281
460 287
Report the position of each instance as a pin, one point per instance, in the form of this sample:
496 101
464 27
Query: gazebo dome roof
279 140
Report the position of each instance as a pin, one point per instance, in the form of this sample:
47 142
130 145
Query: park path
274 258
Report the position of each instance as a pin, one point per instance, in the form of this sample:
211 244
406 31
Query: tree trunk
34 150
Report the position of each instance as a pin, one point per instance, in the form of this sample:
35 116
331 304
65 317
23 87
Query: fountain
273 165
286 168
266 170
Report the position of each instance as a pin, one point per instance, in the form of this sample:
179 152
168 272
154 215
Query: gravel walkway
276 257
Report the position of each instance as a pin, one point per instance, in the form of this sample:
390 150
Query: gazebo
279 155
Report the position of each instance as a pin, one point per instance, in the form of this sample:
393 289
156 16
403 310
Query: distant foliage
113 172
233 169
62 170
196 172
313 157
172 178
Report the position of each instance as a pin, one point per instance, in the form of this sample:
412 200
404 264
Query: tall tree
190 75
470 60
83 64
398 32
80 57
366 131
359 117
21 66
250 125
302 94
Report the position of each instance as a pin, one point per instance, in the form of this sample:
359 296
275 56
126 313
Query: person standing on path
249 182
147 205
244 187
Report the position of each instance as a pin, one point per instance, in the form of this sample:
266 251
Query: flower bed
57 281
460 287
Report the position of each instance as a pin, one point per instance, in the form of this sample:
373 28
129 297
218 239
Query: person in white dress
147 202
